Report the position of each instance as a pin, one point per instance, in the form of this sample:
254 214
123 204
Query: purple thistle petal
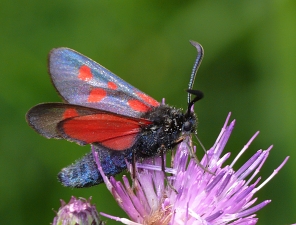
244 193
248 164
224 184
253 209
244 148
122 220
273 174
215 181
214 216
202 197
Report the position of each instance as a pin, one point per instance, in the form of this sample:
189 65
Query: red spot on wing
70 113
112 85
96 95
148 99
113 131
138 106
85 73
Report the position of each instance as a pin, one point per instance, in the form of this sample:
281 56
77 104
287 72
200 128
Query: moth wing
81 81
44 118
115 132
85 125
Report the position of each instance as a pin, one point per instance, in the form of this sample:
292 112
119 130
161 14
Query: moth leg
178 141
133 170
162 148
193 155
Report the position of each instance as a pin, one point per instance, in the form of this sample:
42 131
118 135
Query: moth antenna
198 95
199 57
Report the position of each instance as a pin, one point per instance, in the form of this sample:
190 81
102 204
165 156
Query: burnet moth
121 122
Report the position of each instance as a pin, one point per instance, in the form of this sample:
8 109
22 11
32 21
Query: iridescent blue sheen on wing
99 88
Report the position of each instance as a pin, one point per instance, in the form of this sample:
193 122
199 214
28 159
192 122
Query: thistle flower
224 196
77 212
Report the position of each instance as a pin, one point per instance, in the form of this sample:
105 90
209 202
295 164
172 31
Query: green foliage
249 69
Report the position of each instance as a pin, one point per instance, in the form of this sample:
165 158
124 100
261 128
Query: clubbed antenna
198 95
200 53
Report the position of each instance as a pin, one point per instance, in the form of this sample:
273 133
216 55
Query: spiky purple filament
202 197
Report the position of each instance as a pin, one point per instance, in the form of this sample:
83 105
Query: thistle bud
77 212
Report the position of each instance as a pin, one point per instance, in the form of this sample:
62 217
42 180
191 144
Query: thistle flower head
224 196
77 212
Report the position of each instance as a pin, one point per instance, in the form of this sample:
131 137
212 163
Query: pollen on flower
223 197
161 216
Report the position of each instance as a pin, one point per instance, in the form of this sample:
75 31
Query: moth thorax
174 122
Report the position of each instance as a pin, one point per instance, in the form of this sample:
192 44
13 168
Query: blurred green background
249 69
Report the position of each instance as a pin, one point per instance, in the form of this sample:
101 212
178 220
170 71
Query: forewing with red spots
81 81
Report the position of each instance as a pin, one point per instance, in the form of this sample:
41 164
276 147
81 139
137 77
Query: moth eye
187 126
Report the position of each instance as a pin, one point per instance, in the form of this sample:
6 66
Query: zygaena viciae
120 121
